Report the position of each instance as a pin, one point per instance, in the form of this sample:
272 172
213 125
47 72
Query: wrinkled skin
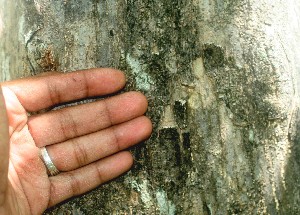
85 142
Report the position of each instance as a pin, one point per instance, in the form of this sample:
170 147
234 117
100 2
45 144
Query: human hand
85 142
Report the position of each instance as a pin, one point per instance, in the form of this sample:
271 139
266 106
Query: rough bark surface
222 78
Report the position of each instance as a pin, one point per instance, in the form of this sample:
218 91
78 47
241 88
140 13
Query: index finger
37 93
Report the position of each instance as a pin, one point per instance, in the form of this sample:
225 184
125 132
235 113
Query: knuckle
68 125
53 192
115 140
80 154
86 86
53 93
99 175
75 184
107 112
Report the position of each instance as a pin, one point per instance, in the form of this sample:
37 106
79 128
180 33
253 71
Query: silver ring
51 168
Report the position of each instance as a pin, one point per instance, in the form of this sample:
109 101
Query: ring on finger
51 168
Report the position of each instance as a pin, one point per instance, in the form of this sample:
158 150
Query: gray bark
222 78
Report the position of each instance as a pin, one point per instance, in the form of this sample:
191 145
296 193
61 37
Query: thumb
4 148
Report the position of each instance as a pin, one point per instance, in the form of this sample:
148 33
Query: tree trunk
222 78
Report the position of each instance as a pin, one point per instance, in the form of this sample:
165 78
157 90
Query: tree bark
222 79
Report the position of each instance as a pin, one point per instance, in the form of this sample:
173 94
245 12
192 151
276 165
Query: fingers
81 151
4 148
45 91
61 125
73 183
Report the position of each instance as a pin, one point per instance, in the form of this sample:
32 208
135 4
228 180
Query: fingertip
148 127
143 98
117 75
121 77
140 100
104 81
127 160
142 128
